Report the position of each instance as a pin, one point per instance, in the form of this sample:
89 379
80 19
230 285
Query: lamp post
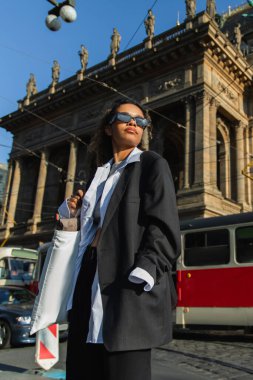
65 10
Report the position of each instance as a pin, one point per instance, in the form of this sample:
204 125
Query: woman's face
126 135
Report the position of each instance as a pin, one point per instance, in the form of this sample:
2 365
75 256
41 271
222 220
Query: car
16 304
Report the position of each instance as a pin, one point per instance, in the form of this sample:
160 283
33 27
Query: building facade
197 83
3 176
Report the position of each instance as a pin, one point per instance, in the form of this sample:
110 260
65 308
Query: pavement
33 375
159 373
191 356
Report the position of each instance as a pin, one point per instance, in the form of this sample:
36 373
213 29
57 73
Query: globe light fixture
53 22
65 10
68 13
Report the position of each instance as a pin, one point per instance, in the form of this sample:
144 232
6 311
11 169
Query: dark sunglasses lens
141 122
123 117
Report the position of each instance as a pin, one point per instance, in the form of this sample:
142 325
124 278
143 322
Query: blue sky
27 46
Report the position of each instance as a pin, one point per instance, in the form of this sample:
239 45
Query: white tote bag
55 283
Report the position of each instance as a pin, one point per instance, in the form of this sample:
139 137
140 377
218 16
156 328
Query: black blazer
141 228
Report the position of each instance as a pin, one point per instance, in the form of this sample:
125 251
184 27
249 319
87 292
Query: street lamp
66 10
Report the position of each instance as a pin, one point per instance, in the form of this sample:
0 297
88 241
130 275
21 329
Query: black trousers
92 361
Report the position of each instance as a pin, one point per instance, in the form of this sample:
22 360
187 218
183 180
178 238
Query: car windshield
21 269
15 296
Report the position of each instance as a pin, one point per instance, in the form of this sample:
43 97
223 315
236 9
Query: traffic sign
47 347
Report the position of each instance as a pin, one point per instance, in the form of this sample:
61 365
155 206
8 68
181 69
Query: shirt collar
132 157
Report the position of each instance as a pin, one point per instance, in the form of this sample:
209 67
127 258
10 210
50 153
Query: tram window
244 244
207 248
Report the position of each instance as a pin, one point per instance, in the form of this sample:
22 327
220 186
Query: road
190 356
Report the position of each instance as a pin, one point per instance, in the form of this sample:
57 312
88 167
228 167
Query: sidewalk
33 375
160 372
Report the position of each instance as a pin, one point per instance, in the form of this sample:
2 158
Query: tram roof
216 221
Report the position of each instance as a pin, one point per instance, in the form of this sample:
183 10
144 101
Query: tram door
205 278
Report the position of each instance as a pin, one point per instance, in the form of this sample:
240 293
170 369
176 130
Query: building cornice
201 37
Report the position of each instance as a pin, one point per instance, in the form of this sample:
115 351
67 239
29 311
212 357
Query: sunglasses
142 122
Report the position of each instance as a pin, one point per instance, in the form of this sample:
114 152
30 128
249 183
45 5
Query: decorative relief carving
224 89
172 82
167 85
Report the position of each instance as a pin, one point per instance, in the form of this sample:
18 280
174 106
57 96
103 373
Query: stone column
187 150
14 195
6 193
71 169
240 179
145 139
247 161
251 160
40 190
225 159
202 157
213 142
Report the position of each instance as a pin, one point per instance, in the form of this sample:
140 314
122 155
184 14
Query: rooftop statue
55 73
115 43
84 55
190 8
31 88
211 8
150 24
237 36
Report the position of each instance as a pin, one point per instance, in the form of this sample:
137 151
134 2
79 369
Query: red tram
215 272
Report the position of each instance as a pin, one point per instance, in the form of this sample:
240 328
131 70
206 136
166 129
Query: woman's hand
75 202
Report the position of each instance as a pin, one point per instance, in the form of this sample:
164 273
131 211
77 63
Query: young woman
122 289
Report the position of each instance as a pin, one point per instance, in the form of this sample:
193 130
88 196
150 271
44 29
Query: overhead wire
123 95
126 96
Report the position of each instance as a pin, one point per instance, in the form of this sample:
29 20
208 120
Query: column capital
202 95
250 122
188 99
240 124
214 102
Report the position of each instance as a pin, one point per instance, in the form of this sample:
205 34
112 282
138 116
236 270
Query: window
207 248
4 272
15 296
244 244
21 269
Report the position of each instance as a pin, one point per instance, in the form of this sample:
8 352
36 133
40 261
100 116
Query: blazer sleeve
160 244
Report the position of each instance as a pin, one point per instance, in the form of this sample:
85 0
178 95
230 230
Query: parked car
16 305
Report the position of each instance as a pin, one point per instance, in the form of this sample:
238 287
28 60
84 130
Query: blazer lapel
117 195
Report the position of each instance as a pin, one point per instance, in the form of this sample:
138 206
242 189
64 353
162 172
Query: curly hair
101 143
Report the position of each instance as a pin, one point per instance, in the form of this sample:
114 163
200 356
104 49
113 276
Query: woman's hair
101 143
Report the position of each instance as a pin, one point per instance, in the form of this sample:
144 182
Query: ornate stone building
198 85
